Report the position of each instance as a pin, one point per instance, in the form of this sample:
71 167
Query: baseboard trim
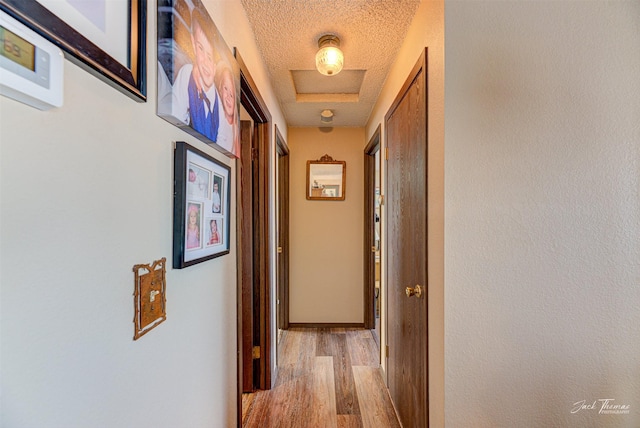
326 325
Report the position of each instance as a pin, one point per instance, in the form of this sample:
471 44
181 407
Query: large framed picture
198 76
200 207
108 38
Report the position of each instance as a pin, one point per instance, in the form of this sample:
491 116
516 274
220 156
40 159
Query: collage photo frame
201 207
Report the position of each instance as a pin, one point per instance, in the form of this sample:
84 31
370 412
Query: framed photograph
108 38
200 207
198 76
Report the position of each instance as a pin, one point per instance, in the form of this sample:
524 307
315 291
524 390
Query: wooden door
282 273
254 257
406 136
245 263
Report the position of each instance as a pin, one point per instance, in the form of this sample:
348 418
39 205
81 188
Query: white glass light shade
329 59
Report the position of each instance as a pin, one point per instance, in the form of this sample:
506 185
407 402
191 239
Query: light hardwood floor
326 378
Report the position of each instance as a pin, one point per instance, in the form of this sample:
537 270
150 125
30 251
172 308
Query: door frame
373 146
282 276
255 106
245 303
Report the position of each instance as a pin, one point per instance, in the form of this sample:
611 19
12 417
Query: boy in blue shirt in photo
195 96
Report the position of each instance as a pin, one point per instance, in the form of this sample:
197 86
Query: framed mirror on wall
326 179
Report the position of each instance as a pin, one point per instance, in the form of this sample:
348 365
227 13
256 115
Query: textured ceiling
287 32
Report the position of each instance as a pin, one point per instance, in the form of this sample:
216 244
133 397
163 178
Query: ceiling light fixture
326 116
329 59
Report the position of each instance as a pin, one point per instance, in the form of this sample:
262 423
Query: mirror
326 179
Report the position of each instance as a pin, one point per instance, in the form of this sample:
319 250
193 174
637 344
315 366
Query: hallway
326 378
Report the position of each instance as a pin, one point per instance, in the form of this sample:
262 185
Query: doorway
282 233
254 256
406 243
372 234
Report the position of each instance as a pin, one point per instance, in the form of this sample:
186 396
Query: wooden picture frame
149 297
201 207
208 106
326 179
129 77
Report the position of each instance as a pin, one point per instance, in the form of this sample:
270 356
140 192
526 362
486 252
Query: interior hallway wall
86 192
326 237
542 212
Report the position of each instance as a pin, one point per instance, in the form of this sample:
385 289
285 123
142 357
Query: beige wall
542 212
427 30
326 273
86 193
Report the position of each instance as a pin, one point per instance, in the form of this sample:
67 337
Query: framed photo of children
198 76
200 207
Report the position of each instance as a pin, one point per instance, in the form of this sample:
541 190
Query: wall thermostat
31 67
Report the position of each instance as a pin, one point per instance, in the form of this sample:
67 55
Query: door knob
417 291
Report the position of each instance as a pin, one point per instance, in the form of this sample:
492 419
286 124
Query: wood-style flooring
326 378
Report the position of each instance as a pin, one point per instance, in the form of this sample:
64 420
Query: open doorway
282 234
378 233
255 314
372 234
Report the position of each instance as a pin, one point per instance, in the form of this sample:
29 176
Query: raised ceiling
287 32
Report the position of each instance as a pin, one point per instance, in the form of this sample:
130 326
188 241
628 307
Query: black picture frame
181 96
130 79
197 176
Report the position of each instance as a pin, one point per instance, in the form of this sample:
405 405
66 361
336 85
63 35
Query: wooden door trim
254 104
369 225
262 250
419 70
421 65
244 261
283 233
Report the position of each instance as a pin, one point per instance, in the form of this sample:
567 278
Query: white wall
86 193
542 212
326 282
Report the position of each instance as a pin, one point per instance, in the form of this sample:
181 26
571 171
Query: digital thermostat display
31 67
17 49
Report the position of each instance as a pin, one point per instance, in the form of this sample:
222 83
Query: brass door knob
417 291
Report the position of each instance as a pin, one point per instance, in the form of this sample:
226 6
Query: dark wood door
406 131
254 257
245 193
282 273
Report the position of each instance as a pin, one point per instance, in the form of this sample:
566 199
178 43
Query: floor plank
346 396
349 421
323 403
375 405
363 349
323 344
247 402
